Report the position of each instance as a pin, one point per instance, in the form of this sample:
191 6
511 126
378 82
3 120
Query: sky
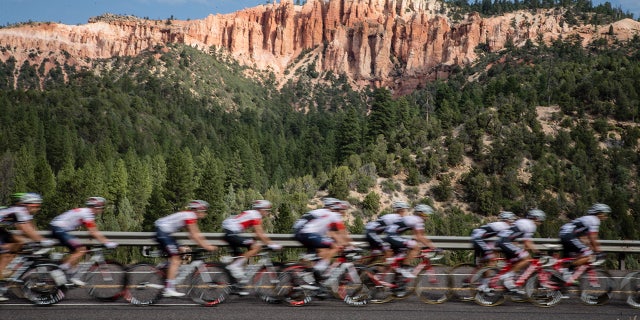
79 11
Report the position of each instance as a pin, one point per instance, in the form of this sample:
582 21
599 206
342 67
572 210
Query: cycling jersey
174 222
409 222
521 229
74 218
325 221
581 226
379 225
489 230
14 215
242 221
311 215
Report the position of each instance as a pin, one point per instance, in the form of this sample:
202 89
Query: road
78 306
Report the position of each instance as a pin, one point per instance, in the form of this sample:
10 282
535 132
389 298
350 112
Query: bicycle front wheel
40 286
631 288
544 289
432 284
595 287
488 293
460 281
210 284
105 281
145 283
379 279
264 283
291 286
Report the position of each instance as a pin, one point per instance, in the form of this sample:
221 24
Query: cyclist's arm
196 236
260 234
420 237
593 241
29 230
528 245
96 234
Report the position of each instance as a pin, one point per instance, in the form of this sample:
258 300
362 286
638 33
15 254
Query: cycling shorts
65 238
167 243
236 241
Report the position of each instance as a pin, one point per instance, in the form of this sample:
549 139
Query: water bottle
58 277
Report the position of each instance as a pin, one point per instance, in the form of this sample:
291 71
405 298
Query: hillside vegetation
548 126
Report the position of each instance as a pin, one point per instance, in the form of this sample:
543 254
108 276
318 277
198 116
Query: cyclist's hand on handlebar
110 245
210 248
274 246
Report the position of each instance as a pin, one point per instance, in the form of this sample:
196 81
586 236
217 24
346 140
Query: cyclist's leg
170 247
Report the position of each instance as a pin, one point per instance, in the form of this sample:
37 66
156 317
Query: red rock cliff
393 43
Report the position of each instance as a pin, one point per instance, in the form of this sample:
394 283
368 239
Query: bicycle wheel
379 279
40 286
145 283
631 288
210 284
595 287
460 281
432 284
488 294
290 286
264 284
544 289
348 284
105 281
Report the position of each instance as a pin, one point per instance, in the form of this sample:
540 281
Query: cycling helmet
507 216
340 205
328 202
423 210
261 205
198 205
15 198
599 208
96 202
400 205
30 198
536 215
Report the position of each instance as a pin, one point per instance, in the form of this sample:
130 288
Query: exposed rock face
393 43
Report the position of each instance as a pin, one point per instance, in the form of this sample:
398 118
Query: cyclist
413 222
196 209
72 220
313 214
523 230
237 224
588 225
374 229
326 235
483 251
20 215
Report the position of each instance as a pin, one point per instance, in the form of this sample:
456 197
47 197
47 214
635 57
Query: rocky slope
393 43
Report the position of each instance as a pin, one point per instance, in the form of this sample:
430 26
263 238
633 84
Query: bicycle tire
544 293
210 284
490 296
348 285
597 292
631 288
372 276
460 281
432 284
289 290
105 281
145 284
40 287
264 284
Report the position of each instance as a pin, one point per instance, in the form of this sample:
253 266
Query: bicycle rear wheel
487 293
546 292
631 288
290 286
378 278
432 285
460 281
145 283
40 287
595 287
105 281
210 284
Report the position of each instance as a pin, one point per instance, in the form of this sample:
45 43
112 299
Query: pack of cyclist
321 231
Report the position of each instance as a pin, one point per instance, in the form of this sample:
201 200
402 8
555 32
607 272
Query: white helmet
536 215
599 208
507 216
423 210
261 205
400 205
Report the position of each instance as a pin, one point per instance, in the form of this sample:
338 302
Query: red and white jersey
325 221
14 215
242 221
174 222
75 218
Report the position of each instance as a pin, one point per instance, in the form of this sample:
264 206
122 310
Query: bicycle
103 279
490 290
297 285
630 286
385 282
145 282
35 277
460 278
595 285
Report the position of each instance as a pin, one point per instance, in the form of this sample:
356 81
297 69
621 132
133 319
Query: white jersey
381 223
311 215
489 230
14 215
242 221
174 222
581 226
408 222
521 229
75 218
325 221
